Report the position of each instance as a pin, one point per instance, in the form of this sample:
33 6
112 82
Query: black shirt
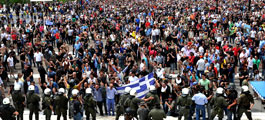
232 97
4 75
27 73
22 57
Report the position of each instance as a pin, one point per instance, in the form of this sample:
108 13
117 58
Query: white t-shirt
70 32
160 72
153 32
133 79
252 34
157 31
10 60
250 62
141 66
38 56
242 56
201 50
201 65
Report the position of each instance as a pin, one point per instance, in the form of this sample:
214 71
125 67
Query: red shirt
236 50
147 24
41 28
14 37
225 48
153 52
199 26
250 41
215 70
191 59
57 35
7 29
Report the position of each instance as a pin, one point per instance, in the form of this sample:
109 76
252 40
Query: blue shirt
97 94
51 74
200 99
37 89
111 93
53 85
77 46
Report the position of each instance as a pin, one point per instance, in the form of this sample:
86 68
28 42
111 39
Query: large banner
141 85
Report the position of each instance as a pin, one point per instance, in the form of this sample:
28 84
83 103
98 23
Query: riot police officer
184 101
120 106
18 100
245 103
77 106
33 103
61 102
133 103
7 112
152 98
47 103
157 113
219 103
89 105
71 88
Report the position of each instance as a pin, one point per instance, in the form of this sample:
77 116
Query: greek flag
141 85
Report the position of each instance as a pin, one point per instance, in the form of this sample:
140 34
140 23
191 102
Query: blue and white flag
141 85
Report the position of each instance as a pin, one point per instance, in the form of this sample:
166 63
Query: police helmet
185 91
88 91
31 88
244 88
17 87
127 89
133 92
75 92
219 90
6 101
61 90
47 91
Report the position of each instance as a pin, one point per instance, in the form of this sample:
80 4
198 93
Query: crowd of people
83 50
